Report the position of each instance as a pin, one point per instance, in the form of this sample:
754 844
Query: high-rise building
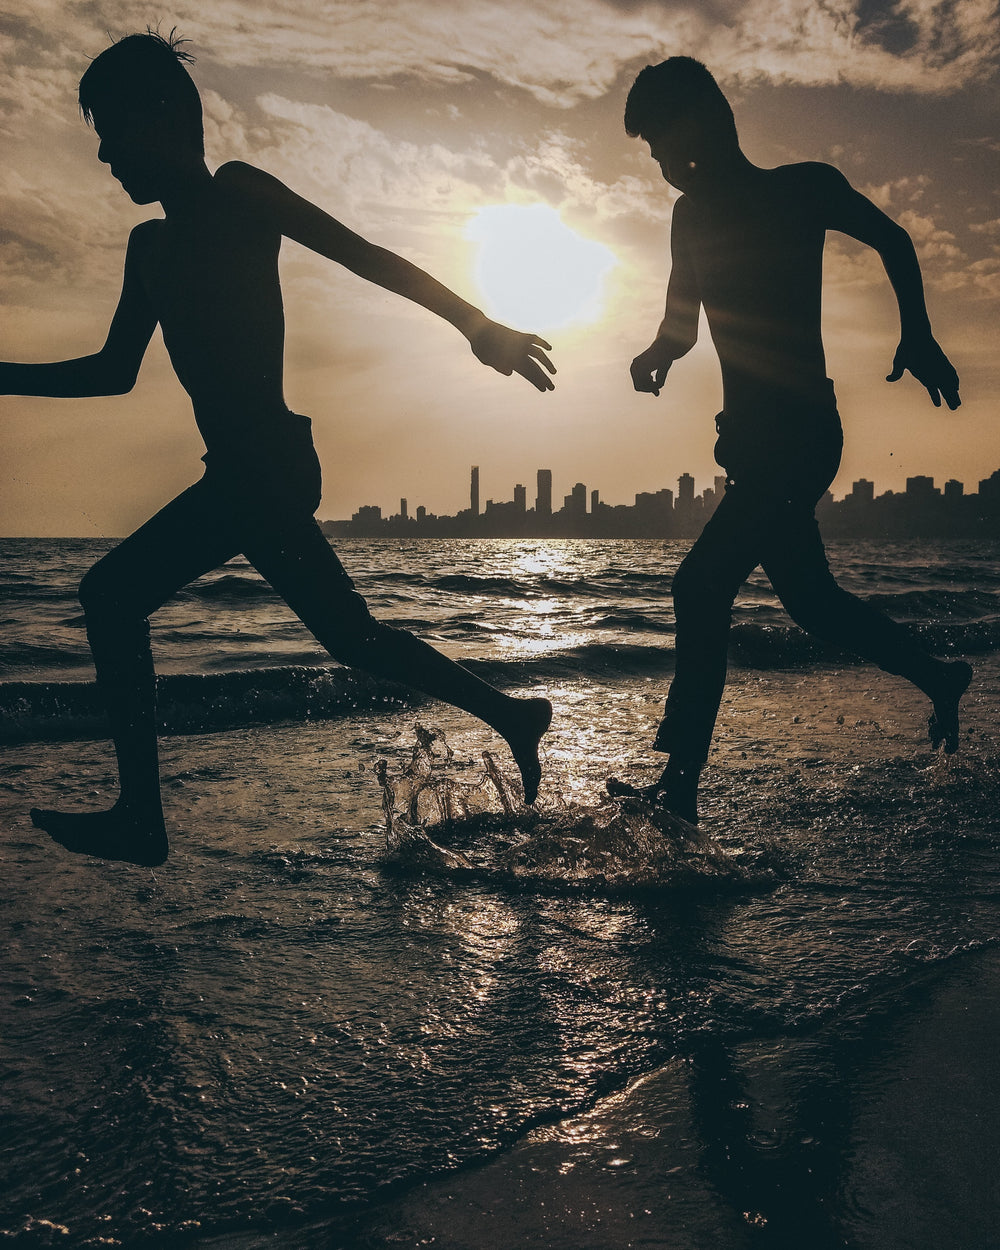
474 491
920 487
862 491
595 500
520 498
402 509
543 499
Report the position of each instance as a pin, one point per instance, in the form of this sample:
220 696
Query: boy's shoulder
144 235
238 175
812 175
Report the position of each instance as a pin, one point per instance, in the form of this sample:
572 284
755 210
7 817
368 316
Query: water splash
610 845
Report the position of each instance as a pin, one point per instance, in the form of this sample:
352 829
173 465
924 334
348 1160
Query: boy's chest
758 250
198 273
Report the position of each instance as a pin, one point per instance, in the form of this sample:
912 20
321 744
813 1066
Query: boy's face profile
137 146
690 152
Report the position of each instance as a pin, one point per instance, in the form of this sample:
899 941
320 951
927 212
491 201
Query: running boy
747 244
207 272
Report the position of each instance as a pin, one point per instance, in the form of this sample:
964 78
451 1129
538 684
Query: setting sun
533 270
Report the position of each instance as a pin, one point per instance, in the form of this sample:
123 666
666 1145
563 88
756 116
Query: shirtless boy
207 273
747 244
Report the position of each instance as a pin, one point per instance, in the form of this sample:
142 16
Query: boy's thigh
733 540
299 563
188 537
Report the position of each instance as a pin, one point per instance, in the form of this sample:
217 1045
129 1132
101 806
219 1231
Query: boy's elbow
896 241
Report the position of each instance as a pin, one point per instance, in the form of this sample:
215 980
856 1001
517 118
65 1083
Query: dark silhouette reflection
747 244
207 273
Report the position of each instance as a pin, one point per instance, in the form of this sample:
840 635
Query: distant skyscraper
543 500
862 491
520 498
595 500
402 509
920 487
685 490
474 491
578 500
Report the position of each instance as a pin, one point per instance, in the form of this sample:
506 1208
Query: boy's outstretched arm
918 352
678 330
112 370
503 349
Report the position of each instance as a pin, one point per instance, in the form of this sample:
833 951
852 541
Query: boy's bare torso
211 279
755 261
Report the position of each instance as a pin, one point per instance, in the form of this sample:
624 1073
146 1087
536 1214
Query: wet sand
877 1141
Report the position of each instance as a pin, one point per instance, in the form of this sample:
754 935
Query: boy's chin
139 195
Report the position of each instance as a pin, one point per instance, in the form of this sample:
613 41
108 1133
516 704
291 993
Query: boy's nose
104 153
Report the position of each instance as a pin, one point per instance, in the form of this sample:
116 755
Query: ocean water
292 1035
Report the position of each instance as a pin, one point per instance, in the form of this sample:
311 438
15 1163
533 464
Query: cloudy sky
484 141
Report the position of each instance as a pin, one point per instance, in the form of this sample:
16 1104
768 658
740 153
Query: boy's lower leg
397 655
132 830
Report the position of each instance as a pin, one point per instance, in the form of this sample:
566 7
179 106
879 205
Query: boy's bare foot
118 833
943 722
619 789
533 718
676 791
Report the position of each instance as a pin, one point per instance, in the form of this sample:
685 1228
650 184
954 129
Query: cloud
564 51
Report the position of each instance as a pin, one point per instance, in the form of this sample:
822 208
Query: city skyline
922 509
914 481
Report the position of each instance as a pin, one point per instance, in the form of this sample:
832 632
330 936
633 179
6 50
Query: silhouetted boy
747 244
207 272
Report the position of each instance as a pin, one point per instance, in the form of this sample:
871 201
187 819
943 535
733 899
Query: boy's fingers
538 354
535 376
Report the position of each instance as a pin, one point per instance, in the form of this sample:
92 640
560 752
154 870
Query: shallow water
277 1038
273 1030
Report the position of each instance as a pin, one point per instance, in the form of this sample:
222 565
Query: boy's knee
106 599
94 593
698 589
813 604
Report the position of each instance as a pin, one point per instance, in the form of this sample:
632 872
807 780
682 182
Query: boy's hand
930 366
509 351
649 369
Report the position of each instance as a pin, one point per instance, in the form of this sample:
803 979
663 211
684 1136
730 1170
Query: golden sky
416 123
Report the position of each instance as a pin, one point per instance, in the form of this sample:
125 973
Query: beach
281 1038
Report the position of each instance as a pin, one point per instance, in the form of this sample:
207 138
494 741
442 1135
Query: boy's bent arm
678 330
112 370
503 349
854 214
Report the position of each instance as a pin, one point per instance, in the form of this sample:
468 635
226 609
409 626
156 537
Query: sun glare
534 271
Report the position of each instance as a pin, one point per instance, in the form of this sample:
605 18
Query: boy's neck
728 179
187 190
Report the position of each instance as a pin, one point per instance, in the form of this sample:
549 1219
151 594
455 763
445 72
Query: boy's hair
144 72
676 88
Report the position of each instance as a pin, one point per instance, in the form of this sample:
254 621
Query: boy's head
144 74
679 109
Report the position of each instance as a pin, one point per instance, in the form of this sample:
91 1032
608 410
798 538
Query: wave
195 703
202 703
